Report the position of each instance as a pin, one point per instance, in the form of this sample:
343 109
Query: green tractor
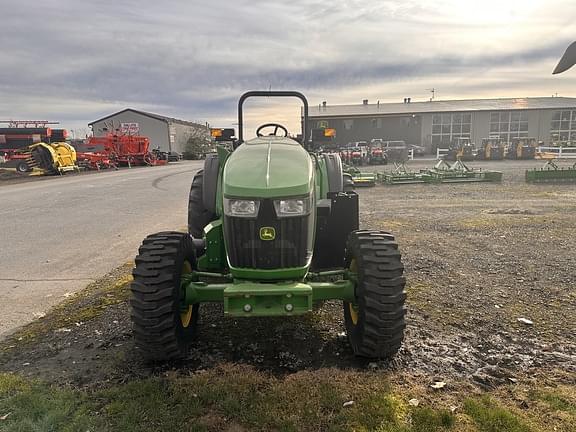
271 232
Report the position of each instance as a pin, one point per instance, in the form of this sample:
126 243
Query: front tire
163 327
375 321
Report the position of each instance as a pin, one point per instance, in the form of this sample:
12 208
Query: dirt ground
478 258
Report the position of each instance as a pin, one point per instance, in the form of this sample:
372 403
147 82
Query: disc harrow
442 172
551 172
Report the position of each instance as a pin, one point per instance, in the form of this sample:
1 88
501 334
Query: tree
198 144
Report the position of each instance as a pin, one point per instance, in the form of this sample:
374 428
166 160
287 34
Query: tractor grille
246 249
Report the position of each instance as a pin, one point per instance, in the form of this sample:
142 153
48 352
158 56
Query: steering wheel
276 127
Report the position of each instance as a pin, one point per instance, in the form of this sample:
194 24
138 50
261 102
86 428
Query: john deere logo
267 233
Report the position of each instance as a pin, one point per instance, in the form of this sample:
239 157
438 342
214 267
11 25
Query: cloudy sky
74 61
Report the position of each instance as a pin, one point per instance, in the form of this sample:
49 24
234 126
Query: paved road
58 235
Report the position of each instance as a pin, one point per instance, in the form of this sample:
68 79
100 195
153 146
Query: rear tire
375 321
162 327
198 215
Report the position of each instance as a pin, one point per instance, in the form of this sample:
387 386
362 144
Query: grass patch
500 220
491 417
426 419
34 407
239 398
394 224
556 400
230 397
558 403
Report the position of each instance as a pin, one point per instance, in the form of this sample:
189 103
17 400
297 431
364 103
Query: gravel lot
478 258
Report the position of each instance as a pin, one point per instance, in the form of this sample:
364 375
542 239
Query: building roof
151 115
442 106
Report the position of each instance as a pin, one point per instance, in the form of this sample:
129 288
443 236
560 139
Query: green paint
556 174
258 274
223 154
266 299
321 177
259 299
215 256
338 290
268 167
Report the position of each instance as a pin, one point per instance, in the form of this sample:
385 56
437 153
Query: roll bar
271 93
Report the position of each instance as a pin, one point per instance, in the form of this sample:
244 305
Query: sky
75 61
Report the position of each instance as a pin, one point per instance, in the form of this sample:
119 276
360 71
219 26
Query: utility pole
433 91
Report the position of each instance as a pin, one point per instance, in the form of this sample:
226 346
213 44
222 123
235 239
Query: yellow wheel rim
186 315
353 309
353 313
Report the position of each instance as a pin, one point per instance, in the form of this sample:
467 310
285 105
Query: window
509 124
563 127
377 123
447 127
348 123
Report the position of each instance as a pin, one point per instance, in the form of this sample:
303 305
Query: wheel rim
186 312
353 313
353 309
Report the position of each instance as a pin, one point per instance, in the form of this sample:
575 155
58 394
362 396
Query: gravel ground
478 258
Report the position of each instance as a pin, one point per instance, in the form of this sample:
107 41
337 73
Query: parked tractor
461 149
271 232
376 155
522 148
491 149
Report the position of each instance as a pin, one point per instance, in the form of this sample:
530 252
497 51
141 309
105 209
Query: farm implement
458 172
442 172
115 150
360 178
400 175
43 159
551 172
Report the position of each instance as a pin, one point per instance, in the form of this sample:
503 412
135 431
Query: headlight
241 207
292 207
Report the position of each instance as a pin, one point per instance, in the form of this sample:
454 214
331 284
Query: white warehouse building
434 124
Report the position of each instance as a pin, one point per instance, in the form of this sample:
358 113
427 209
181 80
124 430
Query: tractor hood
268 167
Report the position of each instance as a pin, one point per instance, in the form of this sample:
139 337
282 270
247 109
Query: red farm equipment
115 150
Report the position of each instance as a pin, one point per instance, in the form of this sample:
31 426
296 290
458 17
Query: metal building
435 124
167 133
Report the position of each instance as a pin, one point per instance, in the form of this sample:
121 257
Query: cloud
76 61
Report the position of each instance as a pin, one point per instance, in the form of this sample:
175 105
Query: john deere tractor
271 232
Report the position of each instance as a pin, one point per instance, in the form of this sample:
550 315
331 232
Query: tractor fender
334 171
211 169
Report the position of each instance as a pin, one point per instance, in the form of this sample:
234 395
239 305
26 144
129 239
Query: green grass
555 401
491 417
227 398
239 398
35 407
